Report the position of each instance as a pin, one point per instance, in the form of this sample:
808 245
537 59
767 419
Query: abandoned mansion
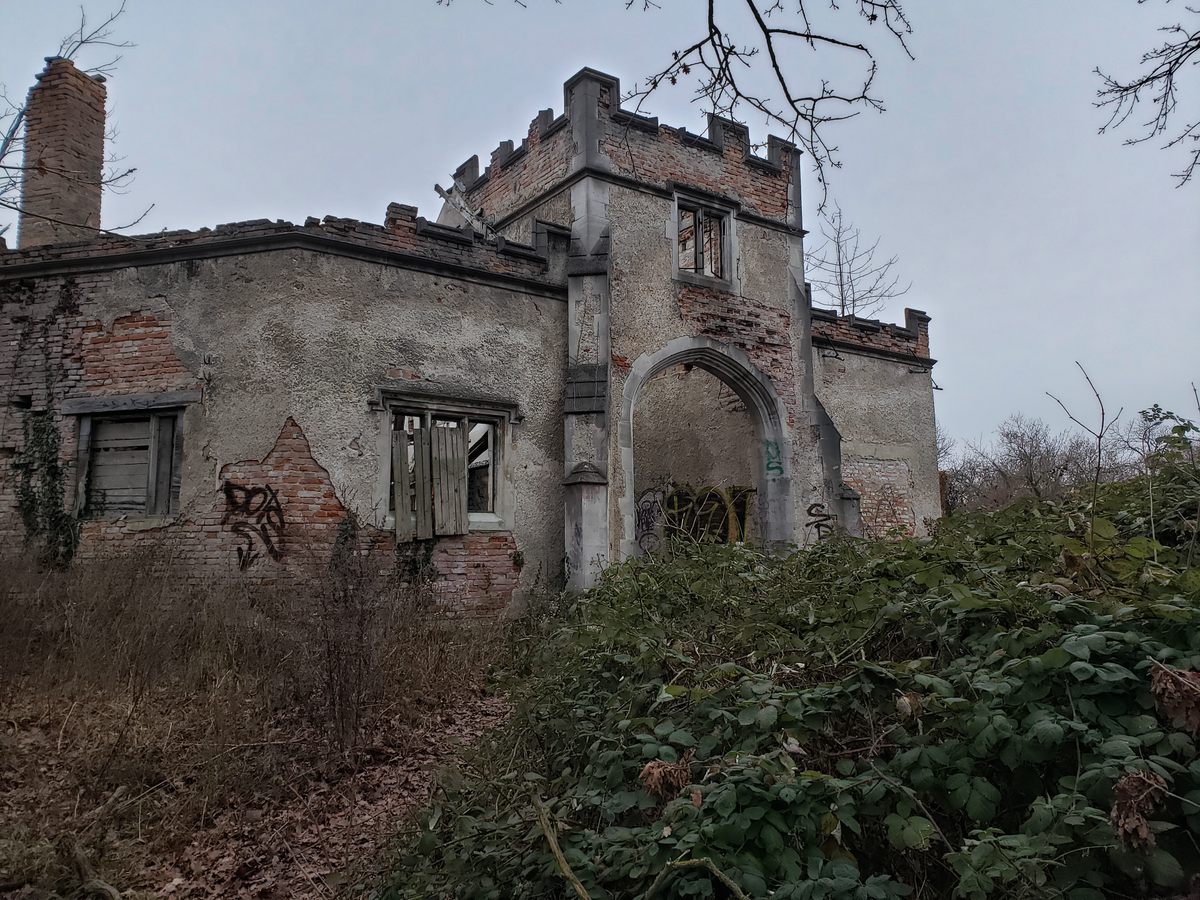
604 341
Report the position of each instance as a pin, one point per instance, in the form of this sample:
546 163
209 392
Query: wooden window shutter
450 479
402 488
423 477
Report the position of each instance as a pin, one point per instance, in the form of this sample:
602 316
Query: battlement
597 135
909 341
404 235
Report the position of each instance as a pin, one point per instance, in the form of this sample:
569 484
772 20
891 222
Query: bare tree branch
1157 86
716 64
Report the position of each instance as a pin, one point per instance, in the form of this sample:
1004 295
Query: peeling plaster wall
884 410
300 334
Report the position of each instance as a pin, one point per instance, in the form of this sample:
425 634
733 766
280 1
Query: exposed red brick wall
283 513
278 518
135 356
886 490
64 156
669 155
911 339
518 176
51 351
763 332
649 153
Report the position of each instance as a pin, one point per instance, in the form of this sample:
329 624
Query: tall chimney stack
64 156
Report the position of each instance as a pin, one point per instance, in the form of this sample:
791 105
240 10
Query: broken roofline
720 132
908 342
405 239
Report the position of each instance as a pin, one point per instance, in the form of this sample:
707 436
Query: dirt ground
96 789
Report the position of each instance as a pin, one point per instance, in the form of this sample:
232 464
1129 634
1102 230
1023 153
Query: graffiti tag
256 516
819 520
706 514
774 461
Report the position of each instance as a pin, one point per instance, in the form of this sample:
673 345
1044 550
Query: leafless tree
84 41
1027 458
944 446
1157 86
727 38
843 269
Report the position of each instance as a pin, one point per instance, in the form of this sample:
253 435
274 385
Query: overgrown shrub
1009 708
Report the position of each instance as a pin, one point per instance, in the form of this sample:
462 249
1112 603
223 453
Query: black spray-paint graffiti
819 520
711 514
256 516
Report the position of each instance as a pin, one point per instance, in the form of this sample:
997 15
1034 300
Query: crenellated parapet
907 342
597 136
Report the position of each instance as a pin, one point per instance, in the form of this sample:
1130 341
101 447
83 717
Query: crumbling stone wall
875 381
287 348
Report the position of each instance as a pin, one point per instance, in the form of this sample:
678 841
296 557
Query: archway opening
716 454
695 456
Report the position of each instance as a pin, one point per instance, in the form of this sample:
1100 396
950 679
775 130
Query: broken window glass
714 245
480 481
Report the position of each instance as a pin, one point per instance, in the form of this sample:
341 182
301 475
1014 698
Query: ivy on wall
48 525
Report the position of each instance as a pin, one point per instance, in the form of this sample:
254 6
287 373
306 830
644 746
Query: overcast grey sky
1031 240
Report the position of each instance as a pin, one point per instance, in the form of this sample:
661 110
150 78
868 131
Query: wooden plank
121 430
401 488
152 468
132 457
159 501
83 466
450 475
461 490
176 465
131 477
422 448
128 402
138 443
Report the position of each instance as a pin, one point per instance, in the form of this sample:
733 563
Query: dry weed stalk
207 698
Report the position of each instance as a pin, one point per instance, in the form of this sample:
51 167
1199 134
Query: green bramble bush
1009 708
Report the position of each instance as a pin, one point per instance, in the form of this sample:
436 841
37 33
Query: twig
913 794
701 863
563 866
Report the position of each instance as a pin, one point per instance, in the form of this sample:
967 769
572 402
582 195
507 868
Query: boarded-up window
130 465
443 472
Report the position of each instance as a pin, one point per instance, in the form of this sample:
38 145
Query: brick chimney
64 156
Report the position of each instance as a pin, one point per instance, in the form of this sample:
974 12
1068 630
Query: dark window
702 241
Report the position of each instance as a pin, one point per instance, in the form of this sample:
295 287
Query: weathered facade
605 339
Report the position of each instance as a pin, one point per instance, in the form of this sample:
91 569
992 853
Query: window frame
162 498
704 209
500 415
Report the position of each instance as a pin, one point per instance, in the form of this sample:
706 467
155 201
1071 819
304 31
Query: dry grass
137 713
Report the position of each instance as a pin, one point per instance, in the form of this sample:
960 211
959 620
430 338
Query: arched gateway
734 369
